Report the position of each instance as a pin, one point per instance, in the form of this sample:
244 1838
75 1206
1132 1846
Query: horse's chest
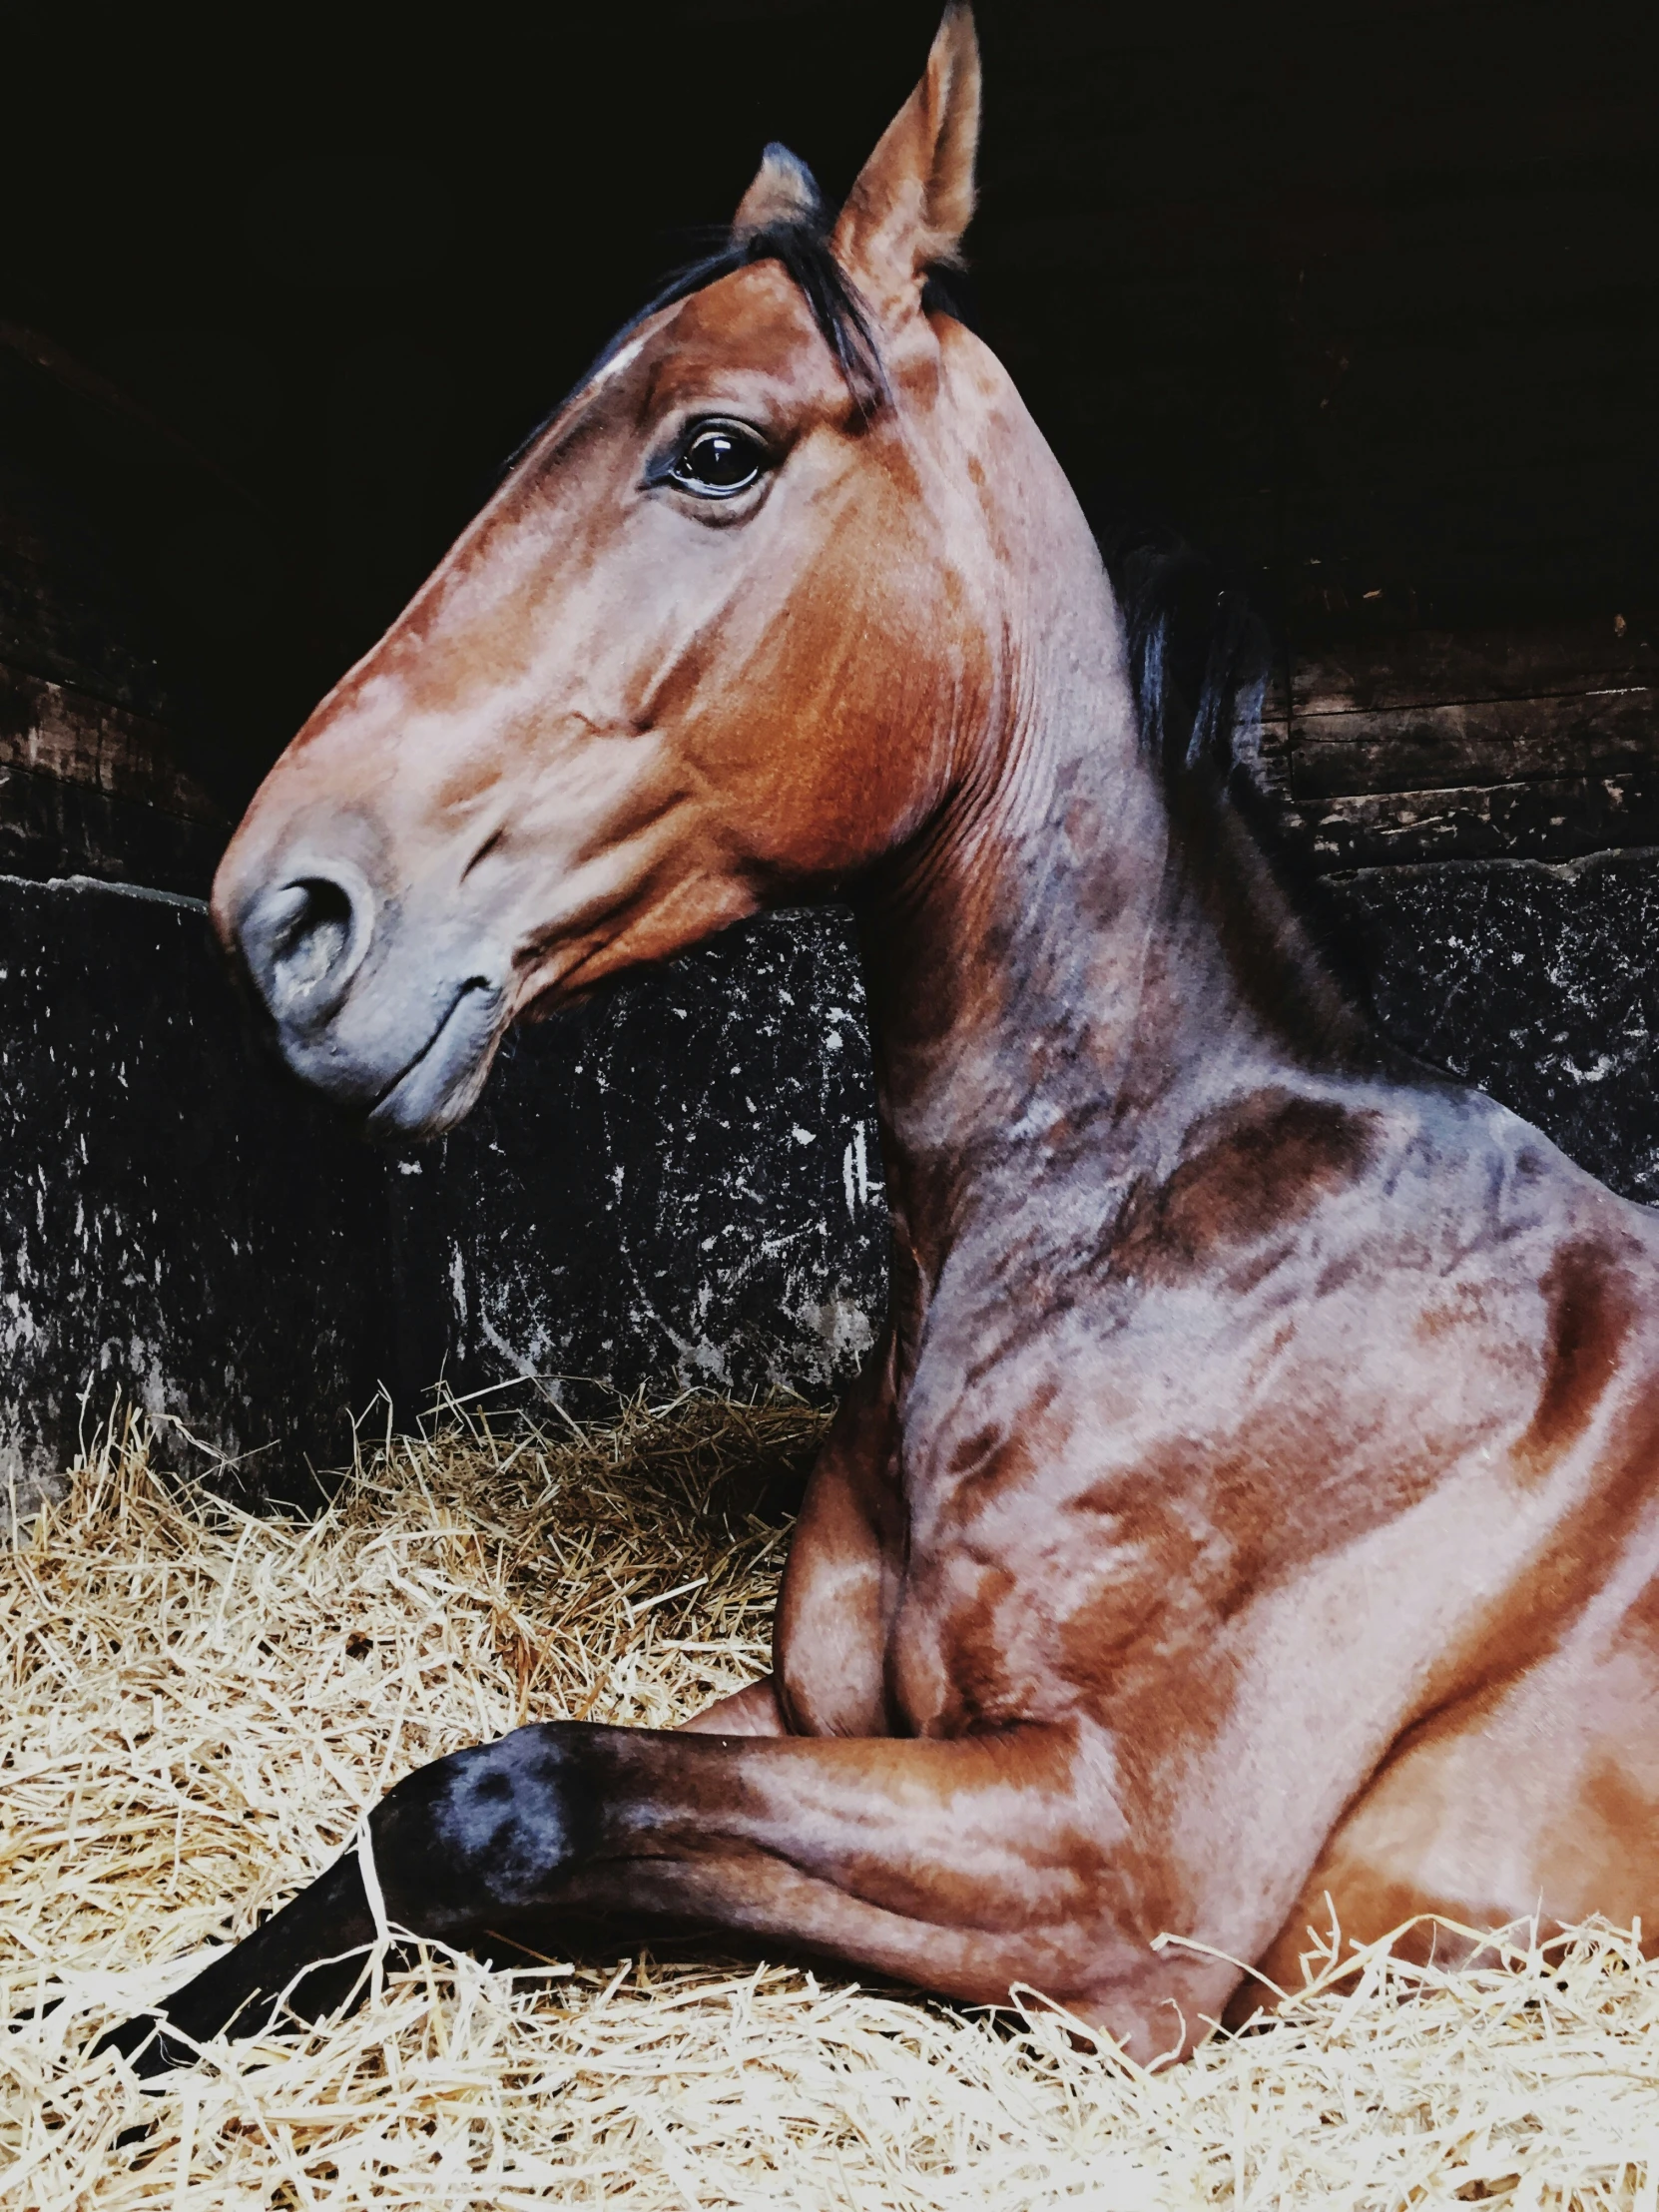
995 1627
1109 1566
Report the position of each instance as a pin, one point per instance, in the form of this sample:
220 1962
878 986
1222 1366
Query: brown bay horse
1256 1495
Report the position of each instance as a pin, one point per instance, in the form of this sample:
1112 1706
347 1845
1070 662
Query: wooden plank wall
96 759
1534 744
88 788
1365 300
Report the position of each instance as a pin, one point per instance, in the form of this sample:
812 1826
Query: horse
1250 1512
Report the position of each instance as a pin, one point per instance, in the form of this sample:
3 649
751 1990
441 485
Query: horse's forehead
753 320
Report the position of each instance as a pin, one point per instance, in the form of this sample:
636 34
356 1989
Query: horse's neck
1052 1004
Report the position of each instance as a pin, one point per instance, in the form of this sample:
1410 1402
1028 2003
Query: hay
200 1704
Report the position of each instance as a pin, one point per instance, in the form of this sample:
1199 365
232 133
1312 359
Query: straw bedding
200 1704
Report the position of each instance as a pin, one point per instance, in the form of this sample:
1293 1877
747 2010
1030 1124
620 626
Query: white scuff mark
408 1167
856 1172
457 1282
801 1136
708 1359
510 1352
106 890
143 1364
21 1329
841 1327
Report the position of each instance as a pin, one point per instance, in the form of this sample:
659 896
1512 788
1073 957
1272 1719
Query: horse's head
714 644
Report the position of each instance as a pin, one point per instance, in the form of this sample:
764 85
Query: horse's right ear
915 195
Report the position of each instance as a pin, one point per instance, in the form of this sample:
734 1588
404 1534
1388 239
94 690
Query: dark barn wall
677 1186
1367 302
178 1228
681 1182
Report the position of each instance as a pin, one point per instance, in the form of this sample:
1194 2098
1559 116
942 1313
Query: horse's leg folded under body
966 1866
753 1711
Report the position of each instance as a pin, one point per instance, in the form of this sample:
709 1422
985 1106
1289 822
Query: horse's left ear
915 195
785 191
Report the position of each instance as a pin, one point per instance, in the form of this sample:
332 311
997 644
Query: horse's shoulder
1248 1170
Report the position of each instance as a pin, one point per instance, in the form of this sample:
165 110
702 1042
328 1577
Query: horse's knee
486 1831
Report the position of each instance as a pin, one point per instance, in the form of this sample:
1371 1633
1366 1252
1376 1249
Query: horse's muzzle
395 1018
445 1076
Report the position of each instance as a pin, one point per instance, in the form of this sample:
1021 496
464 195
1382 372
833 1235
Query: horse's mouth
440 1085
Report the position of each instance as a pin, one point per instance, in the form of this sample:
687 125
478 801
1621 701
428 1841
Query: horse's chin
441 1085
406 1094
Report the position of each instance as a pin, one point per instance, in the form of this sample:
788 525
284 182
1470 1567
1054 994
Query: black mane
1200 657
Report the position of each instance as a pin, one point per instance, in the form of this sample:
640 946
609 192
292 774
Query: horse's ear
785 191
915 195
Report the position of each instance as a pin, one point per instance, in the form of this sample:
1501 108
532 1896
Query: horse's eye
717 459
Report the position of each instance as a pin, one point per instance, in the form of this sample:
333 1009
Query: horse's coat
1254 1497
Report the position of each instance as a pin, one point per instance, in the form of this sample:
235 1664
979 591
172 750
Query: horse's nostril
315 941
305 941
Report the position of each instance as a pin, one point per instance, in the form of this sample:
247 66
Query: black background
1364 299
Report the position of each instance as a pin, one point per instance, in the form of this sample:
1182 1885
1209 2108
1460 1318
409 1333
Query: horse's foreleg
325 1928
964 1865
